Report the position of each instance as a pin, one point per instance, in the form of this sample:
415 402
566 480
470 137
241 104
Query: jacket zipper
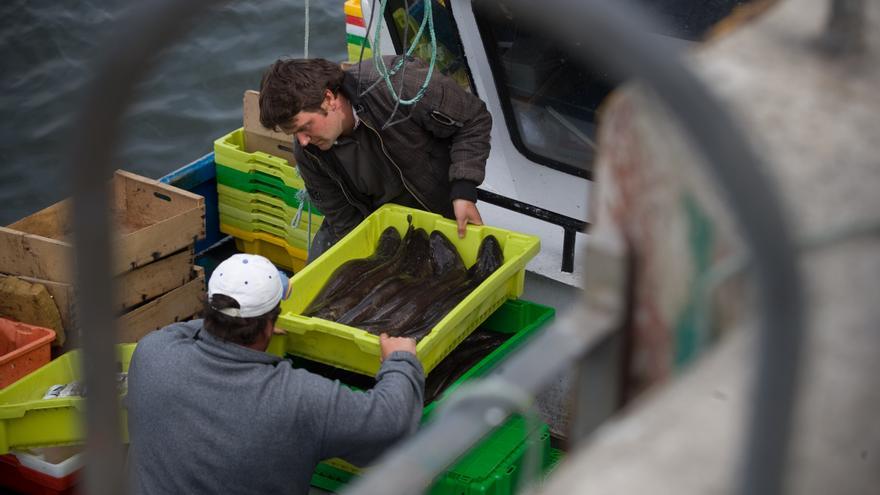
341 186
399 171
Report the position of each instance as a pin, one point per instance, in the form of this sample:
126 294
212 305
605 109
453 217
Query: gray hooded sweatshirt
209 416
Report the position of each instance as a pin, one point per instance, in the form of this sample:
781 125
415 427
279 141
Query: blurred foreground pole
146 29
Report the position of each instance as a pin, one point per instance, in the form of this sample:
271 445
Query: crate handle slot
161 196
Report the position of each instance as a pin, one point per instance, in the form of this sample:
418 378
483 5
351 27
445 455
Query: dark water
191 97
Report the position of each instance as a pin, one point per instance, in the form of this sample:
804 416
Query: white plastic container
56 462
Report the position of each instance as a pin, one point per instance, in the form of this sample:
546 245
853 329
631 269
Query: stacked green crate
498 464
259 202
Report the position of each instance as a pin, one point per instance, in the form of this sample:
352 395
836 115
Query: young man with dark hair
210 412
356 148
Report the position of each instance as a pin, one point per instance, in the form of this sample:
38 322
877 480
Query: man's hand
465 212
393 344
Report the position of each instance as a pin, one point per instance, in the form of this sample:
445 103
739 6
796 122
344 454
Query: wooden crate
257 137
179 303
152 220
133 287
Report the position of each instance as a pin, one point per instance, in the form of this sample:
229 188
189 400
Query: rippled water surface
191 96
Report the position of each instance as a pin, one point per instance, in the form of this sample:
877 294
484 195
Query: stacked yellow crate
260 194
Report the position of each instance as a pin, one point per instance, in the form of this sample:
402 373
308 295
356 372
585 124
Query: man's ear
331 101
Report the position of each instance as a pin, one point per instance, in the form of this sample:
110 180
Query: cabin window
550 104
403 24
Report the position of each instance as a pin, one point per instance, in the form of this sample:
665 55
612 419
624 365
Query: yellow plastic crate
273 247
229 151
29 421
264 203
260 222
357 350
255 217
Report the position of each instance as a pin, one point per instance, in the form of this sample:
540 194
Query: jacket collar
350 90
227 350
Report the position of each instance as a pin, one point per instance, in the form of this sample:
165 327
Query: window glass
551 104
404 23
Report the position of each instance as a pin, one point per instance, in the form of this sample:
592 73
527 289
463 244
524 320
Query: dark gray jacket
208 416
440 150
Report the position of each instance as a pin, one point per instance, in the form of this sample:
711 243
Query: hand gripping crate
357 350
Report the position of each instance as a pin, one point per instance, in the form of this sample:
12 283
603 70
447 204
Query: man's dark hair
290 86
243 331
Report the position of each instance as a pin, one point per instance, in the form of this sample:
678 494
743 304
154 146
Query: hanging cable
388 122
306 40
385 74
363 46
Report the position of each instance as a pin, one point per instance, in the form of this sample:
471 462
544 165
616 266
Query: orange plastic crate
23 349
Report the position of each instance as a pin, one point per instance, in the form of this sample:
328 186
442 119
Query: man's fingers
477 218
462 227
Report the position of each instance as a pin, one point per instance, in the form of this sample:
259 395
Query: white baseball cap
253 281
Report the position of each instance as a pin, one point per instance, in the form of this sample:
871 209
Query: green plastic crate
28 421
257 182
517 317
356 350
494 467
229 151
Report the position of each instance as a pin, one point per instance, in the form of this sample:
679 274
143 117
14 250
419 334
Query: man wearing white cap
210 412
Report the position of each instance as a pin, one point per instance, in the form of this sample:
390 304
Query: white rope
306 41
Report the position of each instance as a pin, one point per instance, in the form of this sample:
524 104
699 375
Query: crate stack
514 453
156 280
260 193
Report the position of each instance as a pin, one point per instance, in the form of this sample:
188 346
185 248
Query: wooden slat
181 222
34 256
180 304
154 279
159 240
30 302
149 201
52 222
251 118
258 142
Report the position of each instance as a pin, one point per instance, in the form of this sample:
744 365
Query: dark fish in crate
351 271
414 241
469 352
399 312
415 267
489 258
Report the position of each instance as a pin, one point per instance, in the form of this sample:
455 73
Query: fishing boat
545 107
